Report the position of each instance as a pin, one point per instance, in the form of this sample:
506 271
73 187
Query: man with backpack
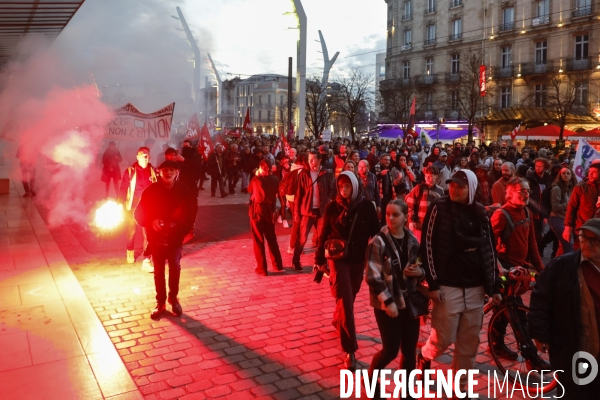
516 245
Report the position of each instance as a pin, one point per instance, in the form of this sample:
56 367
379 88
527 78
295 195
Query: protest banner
327 135
132 125
583 158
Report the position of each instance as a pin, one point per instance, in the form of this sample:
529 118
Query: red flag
219 139
193 128
247 122
514 132
482 80
205 145
411 121
277 148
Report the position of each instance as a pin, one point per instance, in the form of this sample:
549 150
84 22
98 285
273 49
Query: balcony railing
430 10
507 26
540 20
452 78
427 80
456 3
451 114
406 16
503 72
582 12
578 65
406 47
534 68
456 36
429 42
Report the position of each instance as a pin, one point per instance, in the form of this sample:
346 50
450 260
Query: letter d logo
584 364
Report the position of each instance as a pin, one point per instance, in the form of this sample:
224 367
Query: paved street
241 335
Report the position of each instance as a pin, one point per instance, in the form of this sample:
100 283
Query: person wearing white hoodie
460 262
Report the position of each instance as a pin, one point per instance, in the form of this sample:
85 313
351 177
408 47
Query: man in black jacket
564 316
460 263
263 191
217 170
316 188
165 211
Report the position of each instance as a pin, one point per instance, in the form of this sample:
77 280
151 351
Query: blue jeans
245 179
557 225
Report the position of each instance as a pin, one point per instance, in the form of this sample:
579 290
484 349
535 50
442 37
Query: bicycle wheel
518 370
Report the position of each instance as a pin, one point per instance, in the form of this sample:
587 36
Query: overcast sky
121 41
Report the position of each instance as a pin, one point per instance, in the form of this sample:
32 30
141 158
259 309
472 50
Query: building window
430 7
390 12
407 9
582 7
581 47
454 99
456 29
429 66
455 64
542 8
268 115
407 37
540 95
581 95
541 52
428 101
259 115
430 34
505 97
259 100
506 56
508 19
405 69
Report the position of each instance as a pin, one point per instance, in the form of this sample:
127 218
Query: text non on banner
132 125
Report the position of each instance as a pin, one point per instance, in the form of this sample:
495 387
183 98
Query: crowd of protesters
454 216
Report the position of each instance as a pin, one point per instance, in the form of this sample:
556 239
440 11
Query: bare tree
282 116
564 95
317 110
353 100
464 94
396 95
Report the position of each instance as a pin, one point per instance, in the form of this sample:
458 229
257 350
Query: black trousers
161 255
306 224
233 175
397 334
263 229
345 280
214 180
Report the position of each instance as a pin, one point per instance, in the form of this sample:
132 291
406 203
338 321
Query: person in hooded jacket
351 218
460 263
396 328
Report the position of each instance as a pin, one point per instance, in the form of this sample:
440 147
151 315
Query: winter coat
379 274
438 244
367 226
303 200
582 204
537 186
174 206
216 164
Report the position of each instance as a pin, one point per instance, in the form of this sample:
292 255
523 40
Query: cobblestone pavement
241 335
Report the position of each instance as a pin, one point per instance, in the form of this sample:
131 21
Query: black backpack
546 204
510 225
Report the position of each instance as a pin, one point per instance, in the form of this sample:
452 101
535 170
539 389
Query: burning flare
109 215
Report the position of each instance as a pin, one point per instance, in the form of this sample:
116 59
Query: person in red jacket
584 203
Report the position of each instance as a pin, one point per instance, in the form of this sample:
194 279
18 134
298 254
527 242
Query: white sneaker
285 224
279 220
147 265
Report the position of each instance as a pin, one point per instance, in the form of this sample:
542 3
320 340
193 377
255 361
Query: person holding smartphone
397 329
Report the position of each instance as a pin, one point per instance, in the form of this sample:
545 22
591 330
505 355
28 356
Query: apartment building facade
266 97
523 45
